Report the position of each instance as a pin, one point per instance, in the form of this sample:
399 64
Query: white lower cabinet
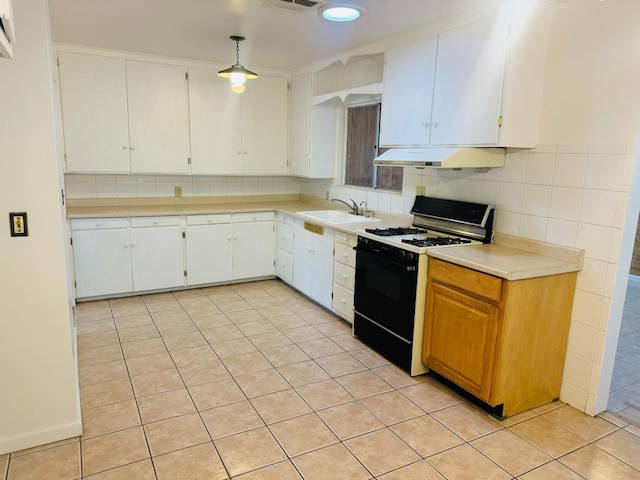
284 247
313 261
208 249
344 275
253 245
114 255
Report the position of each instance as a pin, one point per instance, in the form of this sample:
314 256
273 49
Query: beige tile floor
254 381
624 394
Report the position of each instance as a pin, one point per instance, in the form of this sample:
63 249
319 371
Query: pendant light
237 73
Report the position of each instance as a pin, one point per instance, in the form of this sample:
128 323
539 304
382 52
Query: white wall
573 189
38 399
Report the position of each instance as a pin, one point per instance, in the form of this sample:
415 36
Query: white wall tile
616 245
164 187
510 197
466 190
200 187
85 189
598 351
627 173
515 167
582 340
218 186
561 232
607 149
106 188
536 200
447 187
565 203
487 192
493 174
544 149
384 202
621 210
574 396
573 148
577 371
598 207
234 186
570 170
126 186
592 277
610 280
249 186
397 204
372 199
265 185
586 308
604 171
431 185
186 182
532 227
603 317
507 222
540 168
409 184
596 241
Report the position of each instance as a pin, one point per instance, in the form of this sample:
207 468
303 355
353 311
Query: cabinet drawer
98 223
284 218
284 266
343 302
345 254
345 239
462 278
164 221
285 237
208 219
344 275
252 217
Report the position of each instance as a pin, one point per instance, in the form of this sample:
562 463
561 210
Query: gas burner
435 241
390 232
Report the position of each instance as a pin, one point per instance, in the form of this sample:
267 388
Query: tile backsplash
118 186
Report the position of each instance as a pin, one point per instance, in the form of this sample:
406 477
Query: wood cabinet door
408 93
93 93
265 106
215 120
158 118
469 77
460 338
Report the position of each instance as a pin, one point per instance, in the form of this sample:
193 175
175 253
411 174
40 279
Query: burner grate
435 241
389 232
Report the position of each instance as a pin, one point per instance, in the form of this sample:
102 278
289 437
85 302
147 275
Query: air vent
295 5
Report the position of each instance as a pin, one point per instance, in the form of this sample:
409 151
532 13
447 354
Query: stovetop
413 239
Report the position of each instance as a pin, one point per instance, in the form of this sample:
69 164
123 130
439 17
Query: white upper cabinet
484 90
215 117
238 133
468 84
94 111
158 118
407 93
122 116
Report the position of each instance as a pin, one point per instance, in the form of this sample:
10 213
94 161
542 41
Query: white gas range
391 274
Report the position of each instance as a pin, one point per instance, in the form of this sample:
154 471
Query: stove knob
403 254
410 256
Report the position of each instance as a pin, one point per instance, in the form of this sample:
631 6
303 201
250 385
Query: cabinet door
208 254
102 261
407 93
321 284
264 126
158 118
300 125
93 94
302 245
157 257
253 249
460 338
468 84
215 121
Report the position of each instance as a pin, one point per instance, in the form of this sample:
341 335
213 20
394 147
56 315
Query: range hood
443 157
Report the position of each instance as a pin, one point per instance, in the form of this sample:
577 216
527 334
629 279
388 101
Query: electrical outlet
177 190
18 224
326 195
421 190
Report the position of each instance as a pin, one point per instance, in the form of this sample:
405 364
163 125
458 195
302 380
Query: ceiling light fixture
341 11
237 73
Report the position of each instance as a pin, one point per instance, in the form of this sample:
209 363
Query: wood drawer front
345 239
168 221
344 275
98 223
285 237
345 254
477 283
252 217
208 219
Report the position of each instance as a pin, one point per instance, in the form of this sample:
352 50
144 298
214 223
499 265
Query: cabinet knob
343 301
133 244
344 276
434 125
155 222
209 220
228 239
132 148
426 125
235 237
239 152
124 147
126 244
345 255
284 238
98 224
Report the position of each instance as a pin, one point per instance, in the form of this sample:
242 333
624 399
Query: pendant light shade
237 73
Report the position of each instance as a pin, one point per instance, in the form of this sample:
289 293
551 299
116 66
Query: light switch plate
177 190
18 224
421 190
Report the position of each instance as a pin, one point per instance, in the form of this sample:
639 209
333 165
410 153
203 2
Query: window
363 127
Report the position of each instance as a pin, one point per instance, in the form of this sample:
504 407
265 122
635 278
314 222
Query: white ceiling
200 29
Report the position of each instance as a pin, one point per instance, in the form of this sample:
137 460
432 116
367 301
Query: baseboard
41 437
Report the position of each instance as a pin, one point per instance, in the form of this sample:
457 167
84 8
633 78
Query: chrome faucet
367 212
354 207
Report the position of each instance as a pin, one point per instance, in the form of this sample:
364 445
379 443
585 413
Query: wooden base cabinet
502 341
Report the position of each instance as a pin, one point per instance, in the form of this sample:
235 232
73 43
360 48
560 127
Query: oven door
385 289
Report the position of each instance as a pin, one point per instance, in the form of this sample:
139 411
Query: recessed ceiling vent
295 5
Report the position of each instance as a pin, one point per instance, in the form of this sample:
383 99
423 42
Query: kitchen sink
337 216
